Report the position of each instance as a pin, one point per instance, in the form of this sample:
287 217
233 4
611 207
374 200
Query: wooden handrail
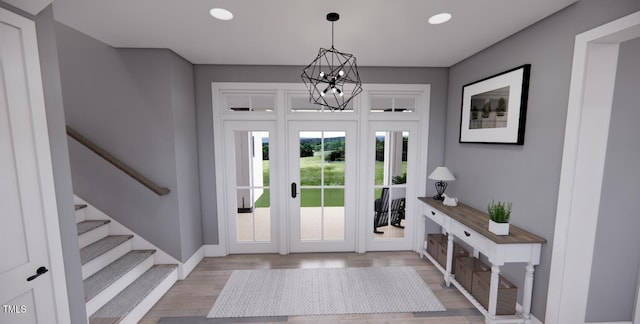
160 191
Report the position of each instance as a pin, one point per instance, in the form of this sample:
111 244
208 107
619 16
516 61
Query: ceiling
290 32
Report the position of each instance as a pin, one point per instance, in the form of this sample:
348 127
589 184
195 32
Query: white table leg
447 275
528 291
493 291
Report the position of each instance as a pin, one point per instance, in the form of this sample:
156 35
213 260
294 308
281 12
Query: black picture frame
494 109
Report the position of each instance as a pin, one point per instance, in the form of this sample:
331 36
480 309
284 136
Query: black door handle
467 233
294 190
39 272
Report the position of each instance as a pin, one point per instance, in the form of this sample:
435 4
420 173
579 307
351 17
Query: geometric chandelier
332 78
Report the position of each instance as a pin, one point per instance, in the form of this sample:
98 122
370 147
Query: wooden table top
479 222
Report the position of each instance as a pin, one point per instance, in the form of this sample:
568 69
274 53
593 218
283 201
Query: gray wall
616 246
186 150
138 105
206 74
47 48
526 175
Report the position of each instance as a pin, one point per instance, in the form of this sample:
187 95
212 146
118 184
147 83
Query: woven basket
465 267
507 293
458 251
433 241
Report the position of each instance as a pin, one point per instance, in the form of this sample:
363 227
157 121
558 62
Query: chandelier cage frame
332 78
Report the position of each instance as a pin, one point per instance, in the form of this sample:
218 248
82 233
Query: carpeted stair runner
102 246
130 297
86 226
109 274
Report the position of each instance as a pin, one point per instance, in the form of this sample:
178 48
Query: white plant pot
498 228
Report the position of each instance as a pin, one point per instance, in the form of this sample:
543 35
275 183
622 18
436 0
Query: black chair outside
383 212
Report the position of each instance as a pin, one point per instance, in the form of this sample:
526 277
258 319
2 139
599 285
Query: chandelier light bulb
341 73
322 75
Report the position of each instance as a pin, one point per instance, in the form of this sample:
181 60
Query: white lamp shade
441 174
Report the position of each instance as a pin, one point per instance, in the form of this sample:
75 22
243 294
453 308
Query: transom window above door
383 103
250 102
299 103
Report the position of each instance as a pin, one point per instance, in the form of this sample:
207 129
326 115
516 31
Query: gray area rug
289 292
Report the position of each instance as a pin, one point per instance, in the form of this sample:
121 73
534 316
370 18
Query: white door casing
282 114
586 135
30 235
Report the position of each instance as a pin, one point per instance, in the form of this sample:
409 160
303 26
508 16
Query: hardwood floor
194 296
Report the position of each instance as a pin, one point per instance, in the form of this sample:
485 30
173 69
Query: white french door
251 165
391 184
324 169
322 160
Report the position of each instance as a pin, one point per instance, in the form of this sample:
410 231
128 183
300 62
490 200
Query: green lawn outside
310 168
310 197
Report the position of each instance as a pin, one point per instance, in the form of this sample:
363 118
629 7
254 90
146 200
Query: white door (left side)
250 153
33 288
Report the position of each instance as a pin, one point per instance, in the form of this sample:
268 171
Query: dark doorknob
39 272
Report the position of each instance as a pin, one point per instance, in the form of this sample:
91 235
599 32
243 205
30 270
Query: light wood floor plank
194 296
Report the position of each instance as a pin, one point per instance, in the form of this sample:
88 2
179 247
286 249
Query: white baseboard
185 268
212 250
534 320
609 322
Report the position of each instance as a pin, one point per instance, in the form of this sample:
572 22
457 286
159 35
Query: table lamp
441 174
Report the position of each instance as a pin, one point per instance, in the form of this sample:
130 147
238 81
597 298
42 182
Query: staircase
121 283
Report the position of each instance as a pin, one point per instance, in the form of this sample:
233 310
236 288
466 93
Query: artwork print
494 109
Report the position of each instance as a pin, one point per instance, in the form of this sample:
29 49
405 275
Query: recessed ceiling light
440 18
222 14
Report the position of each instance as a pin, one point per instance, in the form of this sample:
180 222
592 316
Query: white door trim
44 163
283 92
587 129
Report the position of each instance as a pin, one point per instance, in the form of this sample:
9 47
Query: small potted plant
499 214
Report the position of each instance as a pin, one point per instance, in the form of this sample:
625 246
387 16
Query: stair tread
88 225
97 282
123 303
80 206
100 247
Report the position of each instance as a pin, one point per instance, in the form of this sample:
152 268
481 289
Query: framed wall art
494 109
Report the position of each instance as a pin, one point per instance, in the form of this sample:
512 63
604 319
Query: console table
471 226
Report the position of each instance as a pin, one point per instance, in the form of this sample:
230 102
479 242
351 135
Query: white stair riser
81 215
106 295
93 235
147 303
102 261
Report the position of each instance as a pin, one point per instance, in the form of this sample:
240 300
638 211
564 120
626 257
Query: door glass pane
256 102
252 186
310 215
390 184
322 178
393 104
301 103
